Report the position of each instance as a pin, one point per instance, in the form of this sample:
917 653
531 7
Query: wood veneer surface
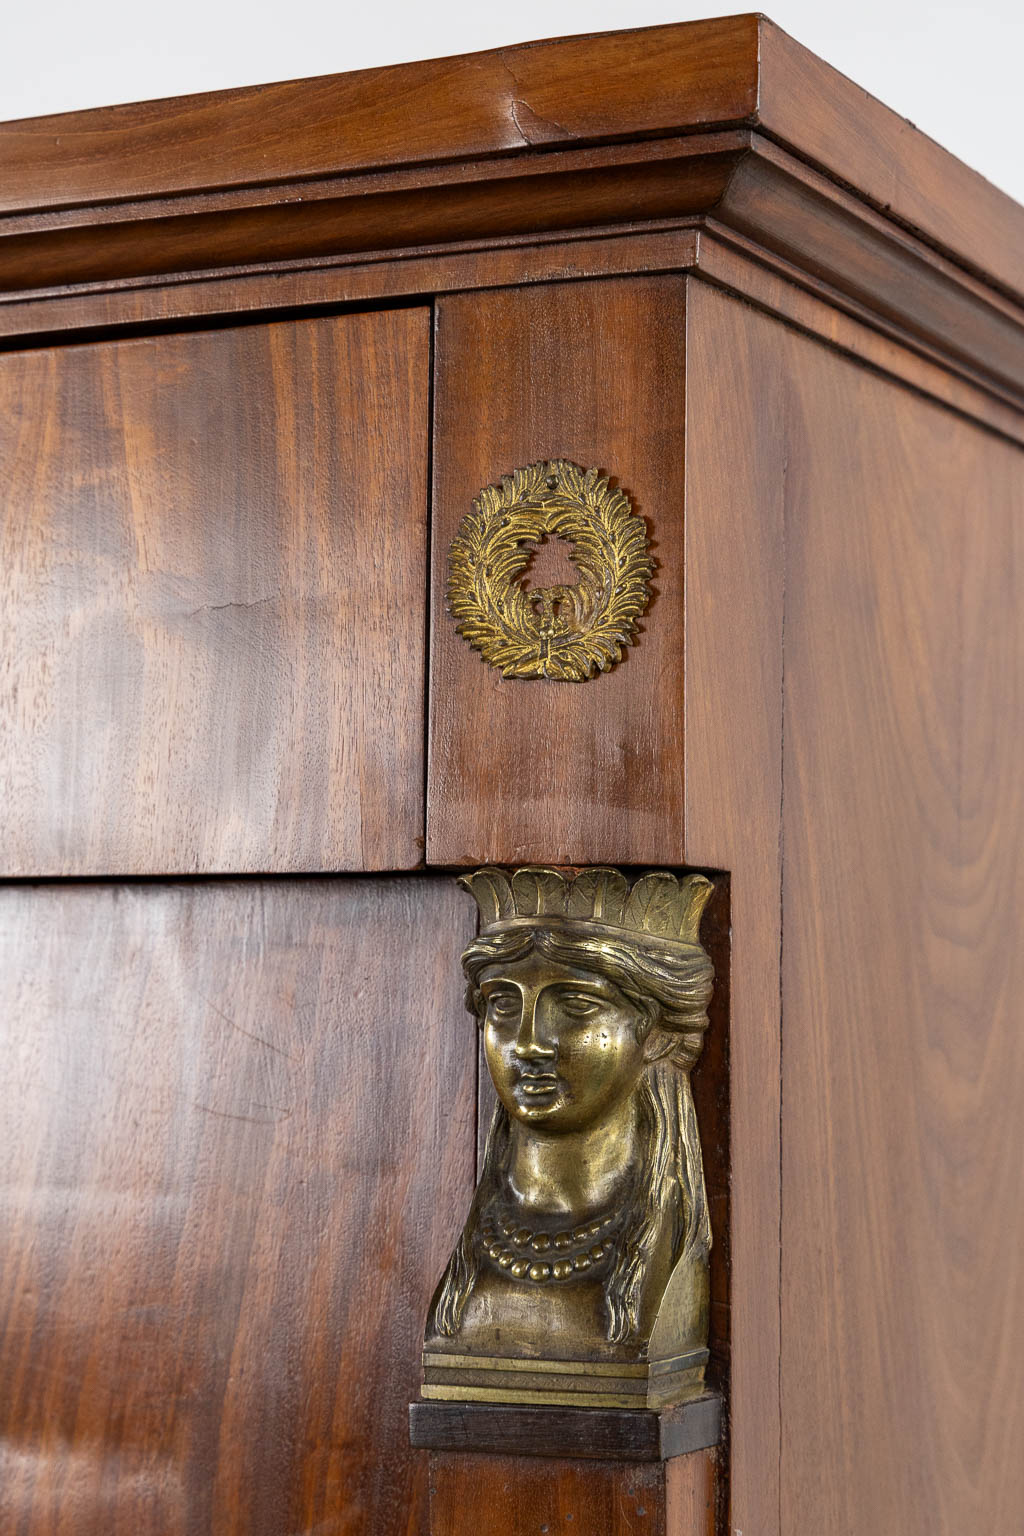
616 85
212 589
538 770
475 1495
903 968
487 200
236 1147
902 1066
767 280
734 557
577 88
835 123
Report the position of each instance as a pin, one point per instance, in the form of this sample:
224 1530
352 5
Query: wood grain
725 258
237 1144
812 107
750 188
735 489
903 1057
731 70
580 88
828 233
736 126
529 1496
428 206
525 1496
212 566
781 289
351 279
588 772
692 1494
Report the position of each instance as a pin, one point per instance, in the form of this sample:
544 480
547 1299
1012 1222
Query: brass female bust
581 1275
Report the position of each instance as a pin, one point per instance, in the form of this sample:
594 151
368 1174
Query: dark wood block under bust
619 1434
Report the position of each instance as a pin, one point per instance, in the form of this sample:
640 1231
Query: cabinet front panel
212 589
539 769
236 1145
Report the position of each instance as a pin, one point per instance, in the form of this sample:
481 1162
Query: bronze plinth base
650 1384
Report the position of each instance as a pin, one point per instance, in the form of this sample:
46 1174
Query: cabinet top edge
522 100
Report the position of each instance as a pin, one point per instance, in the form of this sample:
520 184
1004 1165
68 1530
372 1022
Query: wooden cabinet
259 352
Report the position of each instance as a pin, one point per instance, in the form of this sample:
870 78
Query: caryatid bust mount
581 1275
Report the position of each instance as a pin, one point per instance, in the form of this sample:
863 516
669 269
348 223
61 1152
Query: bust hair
671 985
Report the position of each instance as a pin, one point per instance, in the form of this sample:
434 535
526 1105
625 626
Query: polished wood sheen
212 568
902 963
782 286
736 452
515 1496
540 771
897 1313
237 1136
236 1142
577 90
421 207
252 200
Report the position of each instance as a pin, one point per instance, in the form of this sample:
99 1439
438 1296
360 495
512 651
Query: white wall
953 69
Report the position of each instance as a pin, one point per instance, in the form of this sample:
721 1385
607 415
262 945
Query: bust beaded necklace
537 1254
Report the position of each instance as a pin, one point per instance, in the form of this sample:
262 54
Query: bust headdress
659 908
644 935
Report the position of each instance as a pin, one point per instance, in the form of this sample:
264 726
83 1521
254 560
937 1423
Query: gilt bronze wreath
566 633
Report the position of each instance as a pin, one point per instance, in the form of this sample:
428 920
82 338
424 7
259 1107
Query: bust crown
658 905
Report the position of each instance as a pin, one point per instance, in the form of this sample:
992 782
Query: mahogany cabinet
260 352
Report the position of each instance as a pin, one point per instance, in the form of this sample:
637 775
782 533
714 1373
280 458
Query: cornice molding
475 153
615 87
733 180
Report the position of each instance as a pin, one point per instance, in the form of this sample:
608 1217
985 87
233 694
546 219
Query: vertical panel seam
428 550
782 881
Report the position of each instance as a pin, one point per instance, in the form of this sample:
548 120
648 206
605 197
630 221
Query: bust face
561 1043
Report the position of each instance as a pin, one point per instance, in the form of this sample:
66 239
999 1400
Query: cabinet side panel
903 969
735 477
236 1146
212 572
542 770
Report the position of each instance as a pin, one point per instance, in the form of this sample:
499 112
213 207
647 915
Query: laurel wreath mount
564 633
